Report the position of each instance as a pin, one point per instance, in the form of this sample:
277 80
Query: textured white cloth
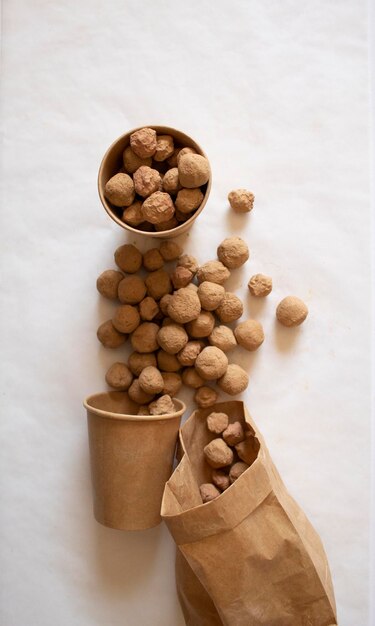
277 94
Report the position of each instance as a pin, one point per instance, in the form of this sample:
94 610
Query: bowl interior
112 163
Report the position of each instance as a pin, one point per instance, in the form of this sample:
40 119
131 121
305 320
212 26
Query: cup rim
127 416
162 233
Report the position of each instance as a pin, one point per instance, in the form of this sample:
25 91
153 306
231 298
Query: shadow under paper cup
131 459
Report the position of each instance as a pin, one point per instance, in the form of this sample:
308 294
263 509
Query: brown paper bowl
131 459
112 163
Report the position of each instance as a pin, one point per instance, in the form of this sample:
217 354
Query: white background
277 94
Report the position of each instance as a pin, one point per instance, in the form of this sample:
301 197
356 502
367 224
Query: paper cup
112 163
131 459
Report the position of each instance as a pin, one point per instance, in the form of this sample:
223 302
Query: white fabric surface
277 94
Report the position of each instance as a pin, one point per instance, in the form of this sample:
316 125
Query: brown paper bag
250 557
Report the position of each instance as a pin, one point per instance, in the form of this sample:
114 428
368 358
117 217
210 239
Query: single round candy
137 394
211 295
151 380
143 142
184 306
189 353
132 162
233 434
164 147
133 215
249 334
171 183
236 470
128 258
214 272
172 338
291 311
233 252
220 479
217 422
108 282
181 277
164 302
205 397
208 492
211 363
189 262
230 309
248 449
131 290
193 170
158 284
234 381
109 336
223 337
260 285
241 200
146 181
168 362
119 376
126 318
189 200
162 406
148 309
218 454
202 326
152 260
138 361
172 383
158 208
119 190
191 378
143 339
170 250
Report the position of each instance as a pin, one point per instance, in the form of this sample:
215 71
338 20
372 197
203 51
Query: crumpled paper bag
250 557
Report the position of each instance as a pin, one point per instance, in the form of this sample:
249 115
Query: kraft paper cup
112 163
131 459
